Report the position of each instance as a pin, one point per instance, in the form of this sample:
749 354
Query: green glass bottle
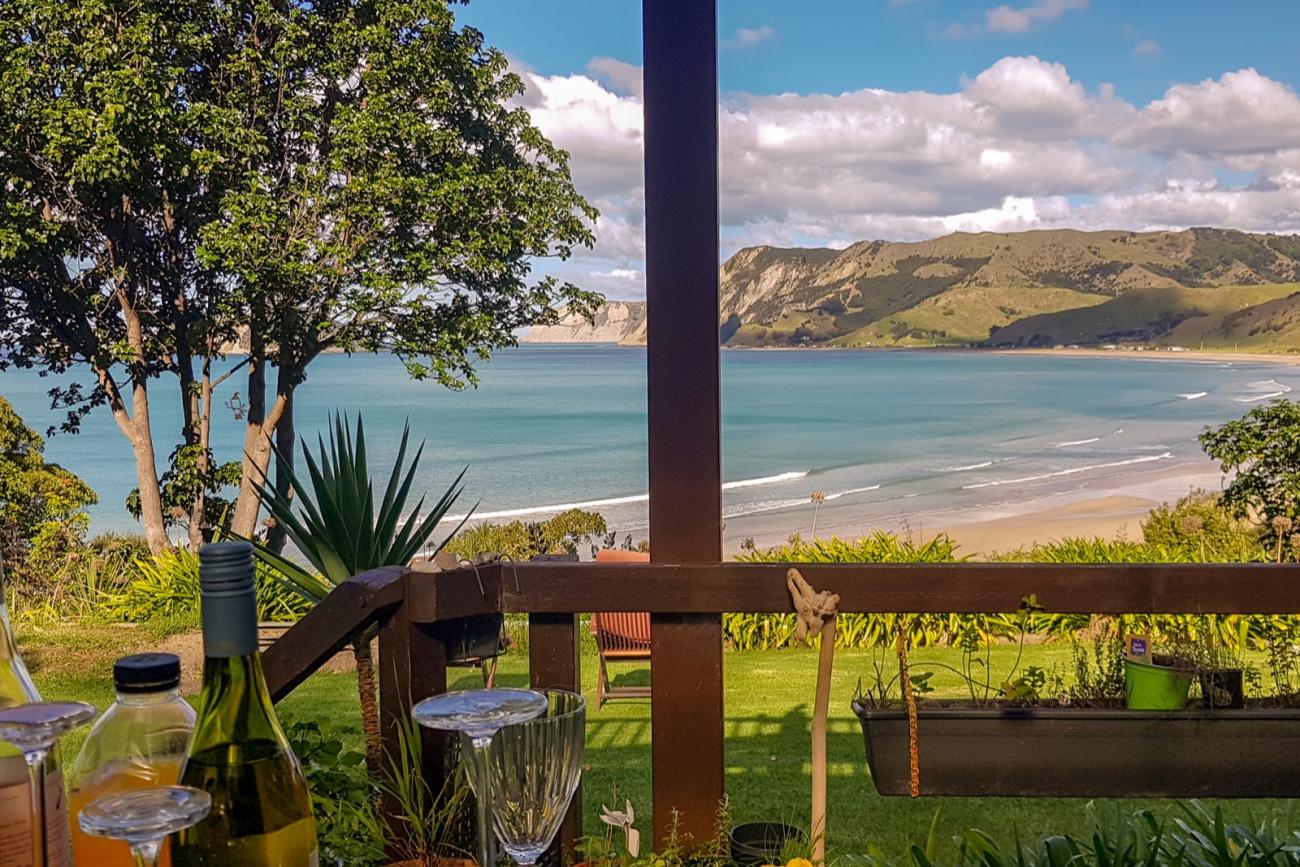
261 813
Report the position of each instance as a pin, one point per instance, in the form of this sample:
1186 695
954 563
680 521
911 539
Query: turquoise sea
891 433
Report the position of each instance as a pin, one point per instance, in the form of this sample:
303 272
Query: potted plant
1039 734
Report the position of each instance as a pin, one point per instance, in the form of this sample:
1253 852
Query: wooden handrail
354 606
1127 588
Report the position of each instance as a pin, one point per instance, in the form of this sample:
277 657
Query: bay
892 434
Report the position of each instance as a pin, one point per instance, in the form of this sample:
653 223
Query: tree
1262 451
307 176
113 155
42 506
396 201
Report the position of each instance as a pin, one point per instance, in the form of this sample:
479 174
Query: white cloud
748 37
1005 19
1147 48
1021 145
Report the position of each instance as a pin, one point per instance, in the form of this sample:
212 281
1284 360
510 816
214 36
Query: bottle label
16 848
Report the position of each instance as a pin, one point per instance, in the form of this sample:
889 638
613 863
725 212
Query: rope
909 698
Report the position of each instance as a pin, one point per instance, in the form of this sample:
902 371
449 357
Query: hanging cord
909 698
815 614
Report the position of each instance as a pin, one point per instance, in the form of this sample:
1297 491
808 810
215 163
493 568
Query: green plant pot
1155 687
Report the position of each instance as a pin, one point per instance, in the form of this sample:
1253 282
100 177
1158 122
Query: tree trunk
146 471
285 434
369 707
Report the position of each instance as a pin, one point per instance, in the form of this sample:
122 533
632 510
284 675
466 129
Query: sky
849 120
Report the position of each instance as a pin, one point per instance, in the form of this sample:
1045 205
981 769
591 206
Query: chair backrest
622 630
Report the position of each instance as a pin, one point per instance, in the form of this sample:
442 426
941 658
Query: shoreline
1110 508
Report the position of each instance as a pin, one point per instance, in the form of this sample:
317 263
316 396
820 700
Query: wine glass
535 769
143 818
479 714
34 729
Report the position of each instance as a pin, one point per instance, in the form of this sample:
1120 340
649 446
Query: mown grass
768 702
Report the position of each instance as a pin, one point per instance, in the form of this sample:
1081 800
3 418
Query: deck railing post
412 666
554 662
683 394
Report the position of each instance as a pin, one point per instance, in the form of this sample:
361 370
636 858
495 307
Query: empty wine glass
479 714
535 769
34 729
143 818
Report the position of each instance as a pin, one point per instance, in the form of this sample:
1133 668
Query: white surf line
1077 442
1194 395
1069 472
622 501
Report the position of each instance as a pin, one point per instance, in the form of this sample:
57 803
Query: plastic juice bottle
139 742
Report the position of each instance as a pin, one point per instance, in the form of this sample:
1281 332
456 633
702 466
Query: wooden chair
620 636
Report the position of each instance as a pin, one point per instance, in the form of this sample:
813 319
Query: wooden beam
353 607
1121 588
683 398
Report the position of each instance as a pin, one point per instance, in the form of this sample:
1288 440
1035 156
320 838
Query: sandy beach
1111 507
1157 355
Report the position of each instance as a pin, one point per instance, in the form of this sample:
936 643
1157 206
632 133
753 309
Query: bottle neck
144 699
235 705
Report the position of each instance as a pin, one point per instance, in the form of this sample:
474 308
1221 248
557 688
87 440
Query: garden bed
1087 752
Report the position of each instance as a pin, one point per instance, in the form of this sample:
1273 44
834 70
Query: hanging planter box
1083 752
471 640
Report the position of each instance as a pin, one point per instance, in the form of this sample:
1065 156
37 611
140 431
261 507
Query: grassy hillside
1183 316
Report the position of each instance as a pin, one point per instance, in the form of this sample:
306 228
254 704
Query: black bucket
754 844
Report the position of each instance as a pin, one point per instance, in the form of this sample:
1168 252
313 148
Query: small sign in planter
1087 752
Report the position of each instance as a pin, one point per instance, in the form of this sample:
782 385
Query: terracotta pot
440 862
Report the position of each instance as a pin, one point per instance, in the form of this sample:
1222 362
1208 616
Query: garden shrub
1200 529
522 541
165 587
42 506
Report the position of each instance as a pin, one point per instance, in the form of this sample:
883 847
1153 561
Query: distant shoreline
1146 354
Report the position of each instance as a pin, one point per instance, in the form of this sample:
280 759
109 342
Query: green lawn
768 702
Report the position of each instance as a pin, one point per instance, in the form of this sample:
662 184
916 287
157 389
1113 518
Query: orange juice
91 851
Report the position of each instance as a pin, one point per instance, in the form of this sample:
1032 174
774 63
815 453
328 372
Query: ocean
894 434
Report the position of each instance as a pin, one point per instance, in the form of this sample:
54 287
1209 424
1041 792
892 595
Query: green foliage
1197 838
1199 529
522 541
348 827
165 587
769 631
1261 452
42 506
338 526
192 472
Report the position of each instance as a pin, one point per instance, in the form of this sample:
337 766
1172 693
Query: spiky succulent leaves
336 525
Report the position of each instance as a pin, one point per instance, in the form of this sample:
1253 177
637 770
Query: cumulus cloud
748 37
1020 145
1004 19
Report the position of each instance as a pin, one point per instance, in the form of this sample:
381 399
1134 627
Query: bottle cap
226 568
147 672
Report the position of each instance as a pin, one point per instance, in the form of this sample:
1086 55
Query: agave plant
341 531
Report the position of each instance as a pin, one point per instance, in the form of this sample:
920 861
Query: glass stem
36 779
146 854
483 774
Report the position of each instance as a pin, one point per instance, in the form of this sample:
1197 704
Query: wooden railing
412 610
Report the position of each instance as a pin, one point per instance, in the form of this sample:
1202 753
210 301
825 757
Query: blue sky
830 46
908 119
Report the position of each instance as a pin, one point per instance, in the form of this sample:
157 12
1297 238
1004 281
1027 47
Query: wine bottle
261 813
16 687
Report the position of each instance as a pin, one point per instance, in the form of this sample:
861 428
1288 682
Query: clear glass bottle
261 812
139 742
16 687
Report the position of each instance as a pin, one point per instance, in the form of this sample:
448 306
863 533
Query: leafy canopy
1262 451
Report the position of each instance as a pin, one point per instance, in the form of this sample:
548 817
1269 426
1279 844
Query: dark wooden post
681 194
412 666
554 663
